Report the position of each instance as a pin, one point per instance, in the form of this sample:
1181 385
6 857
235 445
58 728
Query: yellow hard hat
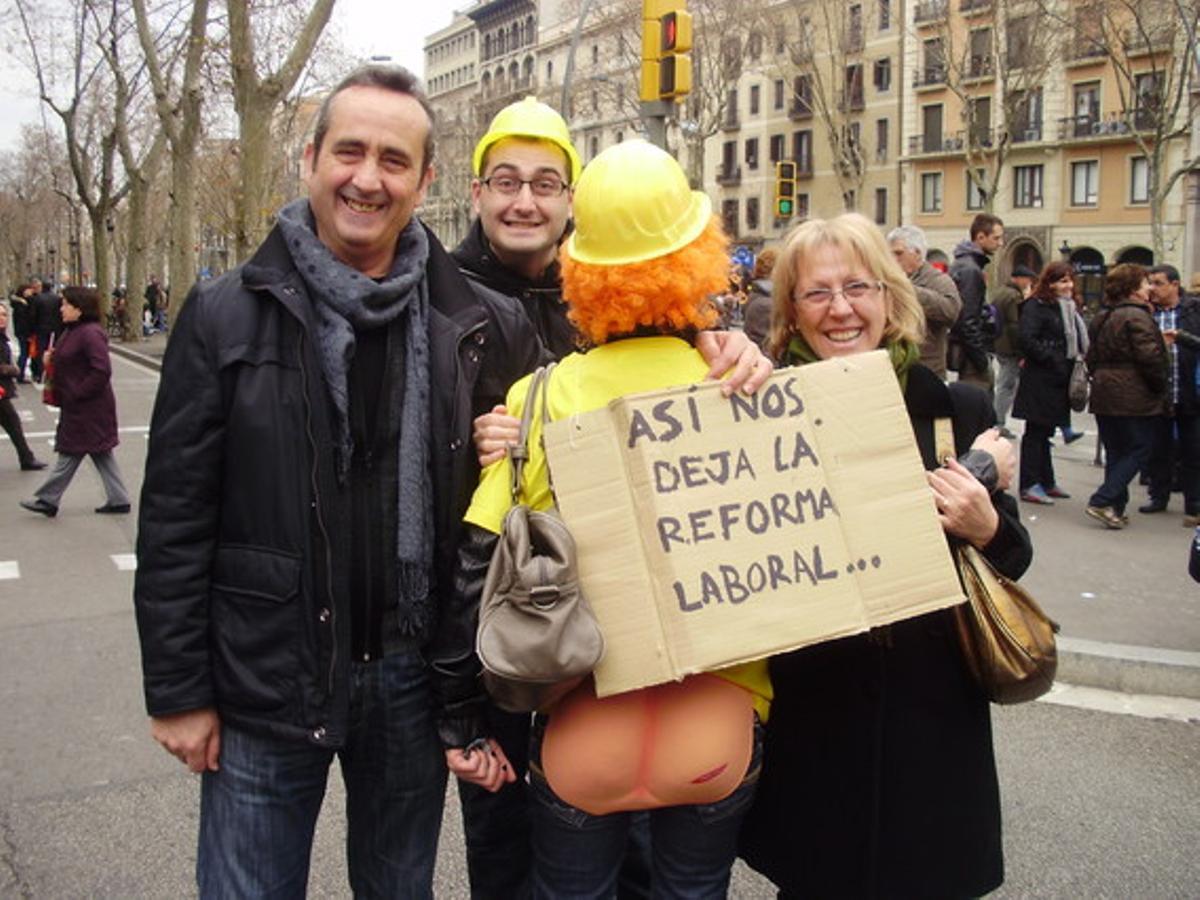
633 203
529 118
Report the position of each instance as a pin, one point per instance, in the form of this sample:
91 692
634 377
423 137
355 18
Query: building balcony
728 176
731 121
1081 50
1030 134
804 167
974 7
854 40
799 110
853 103
1155 39
930 11
1091 126
930 76
978 68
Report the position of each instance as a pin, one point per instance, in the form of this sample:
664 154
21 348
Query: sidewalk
1130 615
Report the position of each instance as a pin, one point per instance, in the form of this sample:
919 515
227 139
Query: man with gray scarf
308 468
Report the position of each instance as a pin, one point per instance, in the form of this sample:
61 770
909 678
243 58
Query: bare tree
995 67
257 98
32 213
1152 48
178 104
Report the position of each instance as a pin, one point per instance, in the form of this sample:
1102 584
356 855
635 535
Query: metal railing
930 11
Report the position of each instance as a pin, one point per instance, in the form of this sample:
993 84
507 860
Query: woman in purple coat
87 423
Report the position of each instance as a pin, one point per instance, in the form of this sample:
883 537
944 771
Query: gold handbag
1006 638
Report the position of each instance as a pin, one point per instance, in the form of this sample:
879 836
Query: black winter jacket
1045 369
541 297
241 589
967 272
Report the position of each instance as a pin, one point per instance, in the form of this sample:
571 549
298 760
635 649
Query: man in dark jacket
47 323
308 469
969 342
524 167
1176 434
23 324
1008 299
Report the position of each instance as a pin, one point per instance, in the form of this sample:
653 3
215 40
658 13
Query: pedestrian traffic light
666 40
785 189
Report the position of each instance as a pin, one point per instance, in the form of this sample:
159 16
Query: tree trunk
253 200
139 238
182 260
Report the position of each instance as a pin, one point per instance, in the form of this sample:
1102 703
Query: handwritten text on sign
714 531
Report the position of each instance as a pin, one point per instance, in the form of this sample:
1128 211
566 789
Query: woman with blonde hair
638 273
880 777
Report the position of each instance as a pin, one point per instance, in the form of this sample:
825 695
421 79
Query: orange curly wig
670 293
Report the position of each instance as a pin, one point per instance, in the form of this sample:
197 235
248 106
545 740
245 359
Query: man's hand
194 737
482 763
732 350
1002 452
494 433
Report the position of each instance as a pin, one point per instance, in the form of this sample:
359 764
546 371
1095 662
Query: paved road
1096 804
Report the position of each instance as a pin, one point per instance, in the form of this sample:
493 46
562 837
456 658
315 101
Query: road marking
49 435
26 415
9 569
1145 706
125 562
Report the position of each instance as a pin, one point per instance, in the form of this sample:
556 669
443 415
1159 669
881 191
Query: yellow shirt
587 381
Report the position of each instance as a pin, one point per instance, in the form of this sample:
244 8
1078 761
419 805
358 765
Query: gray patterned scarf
347 299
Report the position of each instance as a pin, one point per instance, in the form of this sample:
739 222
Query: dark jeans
10 421
499 833
1176 440
258 812
1037 467
1127 441
22 355
577 855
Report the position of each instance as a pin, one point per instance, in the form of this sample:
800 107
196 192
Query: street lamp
1065 250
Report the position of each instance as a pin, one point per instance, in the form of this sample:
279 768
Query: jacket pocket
257 640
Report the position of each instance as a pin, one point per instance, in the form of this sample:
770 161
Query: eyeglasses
853 291
542 186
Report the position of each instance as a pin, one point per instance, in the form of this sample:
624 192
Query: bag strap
943 439
519 454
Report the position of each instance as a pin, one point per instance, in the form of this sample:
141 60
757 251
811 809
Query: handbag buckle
544 596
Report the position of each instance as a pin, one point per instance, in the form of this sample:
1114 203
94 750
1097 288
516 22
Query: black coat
1045 368
967 273
1188 316
879 775
242 585
87 422
541 298
47 314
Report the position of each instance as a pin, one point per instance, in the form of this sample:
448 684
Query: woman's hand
482 763
963 504
732 350
494 433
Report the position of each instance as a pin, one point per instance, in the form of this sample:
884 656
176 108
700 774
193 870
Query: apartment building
1042 105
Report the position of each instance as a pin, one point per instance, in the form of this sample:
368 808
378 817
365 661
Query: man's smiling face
369 175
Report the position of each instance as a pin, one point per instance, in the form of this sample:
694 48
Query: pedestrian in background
970 339
23 322
1008 299
87 421
9 419
758 306
1128 364
936 293
47 321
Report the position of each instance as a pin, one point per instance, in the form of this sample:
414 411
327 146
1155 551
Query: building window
1020 41
754 45
593 147
595 54
979 62
1148 98
854 86
881 140
752 214
728 158
1139 180
1027 186
931 120
729 217
882 74
885 14
1085 183
850 200
752 153
802 206
931 192
975 198
777 147
755 92
802 146
880 206
778 98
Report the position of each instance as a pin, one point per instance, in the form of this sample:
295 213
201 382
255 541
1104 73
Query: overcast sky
369 28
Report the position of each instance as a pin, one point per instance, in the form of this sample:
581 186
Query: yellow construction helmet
529 118
633 203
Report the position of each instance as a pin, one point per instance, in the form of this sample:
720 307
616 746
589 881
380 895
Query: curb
137 356
1129 669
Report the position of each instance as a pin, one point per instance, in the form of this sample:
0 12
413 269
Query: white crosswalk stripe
9 569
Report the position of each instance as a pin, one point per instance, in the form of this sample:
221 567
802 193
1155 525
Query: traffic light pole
654 118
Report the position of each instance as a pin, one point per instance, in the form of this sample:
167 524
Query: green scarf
903 354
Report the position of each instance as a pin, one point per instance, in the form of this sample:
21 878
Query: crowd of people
326 478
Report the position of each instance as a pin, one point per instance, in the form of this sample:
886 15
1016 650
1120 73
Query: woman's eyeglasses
852 290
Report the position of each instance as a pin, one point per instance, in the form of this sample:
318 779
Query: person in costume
638 271
879 776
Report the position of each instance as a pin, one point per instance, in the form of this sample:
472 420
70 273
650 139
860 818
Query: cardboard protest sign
714 531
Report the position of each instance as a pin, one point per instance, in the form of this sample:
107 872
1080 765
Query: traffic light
666 40
785 189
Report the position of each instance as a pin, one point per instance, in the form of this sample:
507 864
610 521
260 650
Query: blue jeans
576 855
258 812
1127 441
